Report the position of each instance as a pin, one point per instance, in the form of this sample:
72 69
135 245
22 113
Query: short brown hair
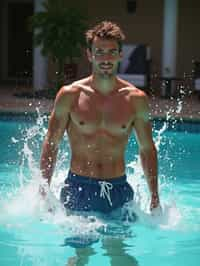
105 30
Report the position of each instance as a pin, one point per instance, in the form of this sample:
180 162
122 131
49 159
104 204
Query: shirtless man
99 113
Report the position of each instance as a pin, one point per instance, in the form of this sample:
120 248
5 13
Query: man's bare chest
114 113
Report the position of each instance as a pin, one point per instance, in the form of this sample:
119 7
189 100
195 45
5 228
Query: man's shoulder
134 92
132 89
137 93
140 102
138 97
67 90
74 88
66 95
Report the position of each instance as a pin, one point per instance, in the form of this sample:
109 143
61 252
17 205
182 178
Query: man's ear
89 54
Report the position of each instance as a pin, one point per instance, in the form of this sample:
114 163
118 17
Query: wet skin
99 113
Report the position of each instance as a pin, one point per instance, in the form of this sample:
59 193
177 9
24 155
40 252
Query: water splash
169 216
24 207
30 181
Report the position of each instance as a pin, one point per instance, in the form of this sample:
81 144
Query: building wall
188 47
4 39
145 26
4 36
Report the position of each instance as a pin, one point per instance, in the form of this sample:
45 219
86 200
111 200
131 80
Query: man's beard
106 73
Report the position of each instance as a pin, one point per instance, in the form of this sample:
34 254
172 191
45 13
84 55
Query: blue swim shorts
82 193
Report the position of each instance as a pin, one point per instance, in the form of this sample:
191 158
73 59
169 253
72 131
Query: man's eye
102 53
99 53
114 52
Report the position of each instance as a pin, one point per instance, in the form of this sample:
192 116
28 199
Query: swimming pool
29 235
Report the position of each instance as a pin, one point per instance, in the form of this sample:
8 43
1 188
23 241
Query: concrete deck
11 103
187 108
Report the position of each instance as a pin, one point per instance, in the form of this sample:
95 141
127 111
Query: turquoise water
30 235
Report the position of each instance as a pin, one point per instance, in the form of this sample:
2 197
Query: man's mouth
106 66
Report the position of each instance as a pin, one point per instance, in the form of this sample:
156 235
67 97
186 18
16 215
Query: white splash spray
30 181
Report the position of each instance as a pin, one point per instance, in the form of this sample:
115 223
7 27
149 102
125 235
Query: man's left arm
147 149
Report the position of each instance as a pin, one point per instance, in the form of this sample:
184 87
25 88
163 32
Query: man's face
104 56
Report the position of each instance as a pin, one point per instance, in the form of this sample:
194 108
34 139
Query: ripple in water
24 211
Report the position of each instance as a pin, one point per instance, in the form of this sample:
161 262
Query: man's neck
104 85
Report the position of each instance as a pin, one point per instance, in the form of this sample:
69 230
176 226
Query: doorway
20 59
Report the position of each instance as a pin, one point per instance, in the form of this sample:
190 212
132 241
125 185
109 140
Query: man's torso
98 130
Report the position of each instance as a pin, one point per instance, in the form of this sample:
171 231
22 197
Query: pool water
30 235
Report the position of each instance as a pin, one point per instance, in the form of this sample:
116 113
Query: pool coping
176 118
34 114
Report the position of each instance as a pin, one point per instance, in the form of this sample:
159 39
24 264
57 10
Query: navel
99 165
123 126
81 123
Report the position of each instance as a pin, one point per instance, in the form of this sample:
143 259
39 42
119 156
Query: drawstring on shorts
105 190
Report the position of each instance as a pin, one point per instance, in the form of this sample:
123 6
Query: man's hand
155 202
43 191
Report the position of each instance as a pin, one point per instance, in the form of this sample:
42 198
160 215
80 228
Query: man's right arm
147 148
57 125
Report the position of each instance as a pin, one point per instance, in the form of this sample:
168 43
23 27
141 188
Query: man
99 113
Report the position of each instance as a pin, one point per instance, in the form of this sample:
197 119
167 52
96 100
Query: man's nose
107 57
